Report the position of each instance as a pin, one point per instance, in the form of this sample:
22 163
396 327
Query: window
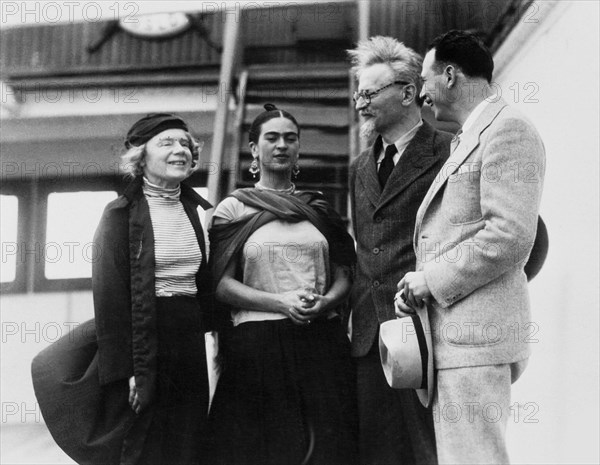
47 229
14 214
72 218
9 214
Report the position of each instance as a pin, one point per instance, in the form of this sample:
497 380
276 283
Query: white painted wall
30 323
558 55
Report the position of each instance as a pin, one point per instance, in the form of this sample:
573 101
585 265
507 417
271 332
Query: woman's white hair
403 60
132 159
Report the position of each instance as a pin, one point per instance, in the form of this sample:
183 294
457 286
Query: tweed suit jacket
383 224
474 232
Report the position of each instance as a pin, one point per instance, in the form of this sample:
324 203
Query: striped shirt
176 250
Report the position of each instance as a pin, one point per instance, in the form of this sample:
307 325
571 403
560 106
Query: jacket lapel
367 173
418 157
468 143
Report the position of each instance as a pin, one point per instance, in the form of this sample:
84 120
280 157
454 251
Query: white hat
406 354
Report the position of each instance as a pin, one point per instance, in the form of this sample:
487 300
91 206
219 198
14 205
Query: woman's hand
305 305
294 303
314 304
134 401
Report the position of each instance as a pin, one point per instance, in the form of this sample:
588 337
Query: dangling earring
254 168
295 171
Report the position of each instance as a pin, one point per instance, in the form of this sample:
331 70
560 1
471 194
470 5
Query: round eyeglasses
367 96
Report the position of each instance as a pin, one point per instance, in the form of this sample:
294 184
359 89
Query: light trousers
471 407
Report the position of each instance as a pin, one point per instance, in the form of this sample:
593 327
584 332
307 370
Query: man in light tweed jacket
473 234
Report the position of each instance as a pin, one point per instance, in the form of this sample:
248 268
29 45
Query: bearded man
387 184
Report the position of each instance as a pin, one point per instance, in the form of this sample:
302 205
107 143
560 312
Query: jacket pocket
461 199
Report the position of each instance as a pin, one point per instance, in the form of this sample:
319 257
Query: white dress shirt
400 144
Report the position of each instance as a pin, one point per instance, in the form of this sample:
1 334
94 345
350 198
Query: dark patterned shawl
227 239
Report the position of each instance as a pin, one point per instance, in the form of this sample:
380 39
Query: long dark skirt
95 425
179 415
286 396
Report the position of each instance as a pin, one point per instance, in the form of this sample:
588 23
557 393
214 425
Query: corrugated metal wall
416 23
58 49
286 34
289 34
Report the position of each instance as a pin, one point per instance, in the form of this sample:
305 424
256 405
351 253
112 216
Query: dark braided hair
271 111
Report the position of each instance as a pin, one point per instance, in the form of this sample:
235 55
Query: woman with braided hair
282 261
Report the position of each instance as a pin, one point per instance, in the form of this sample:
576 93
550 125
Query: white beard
367 129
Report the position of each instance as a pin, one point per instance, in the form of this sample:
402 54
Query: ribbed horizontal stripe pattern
176 250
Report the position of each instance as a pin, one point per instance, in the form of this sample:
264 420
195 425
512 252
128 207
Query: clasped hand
413 293
303 305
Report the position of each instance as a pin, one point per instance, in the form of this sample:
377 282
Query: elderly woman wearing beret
131 387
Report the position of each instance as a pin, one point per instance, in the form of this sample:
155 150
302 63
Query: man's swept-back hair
403 60
466 50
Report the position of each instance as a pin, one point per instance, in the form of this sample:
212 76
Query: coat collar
134 191
418 157
190 193
469 141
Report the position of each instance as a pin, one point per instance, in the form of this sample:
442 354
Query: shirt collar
478 110
404 139
152 190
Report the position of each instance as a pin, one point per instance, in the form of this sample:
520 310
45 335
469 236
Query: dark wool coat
81 380
123 284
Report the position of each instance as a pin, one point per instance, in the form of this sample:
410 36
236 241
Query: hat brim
539 251
406 351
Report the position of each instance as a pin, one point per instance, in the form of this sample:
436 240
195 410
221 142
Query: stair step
318 97
286 73
313 95
316 142
325 116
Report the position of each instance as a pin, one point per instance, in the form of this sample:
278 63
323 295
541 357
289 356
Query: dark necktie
387 164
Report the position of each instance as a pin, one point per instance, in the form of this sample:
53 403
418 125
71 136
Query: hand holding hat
402 309
405 344
414 292
406 352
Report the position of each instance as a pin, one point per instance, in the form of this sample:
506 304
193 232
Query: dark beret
150 125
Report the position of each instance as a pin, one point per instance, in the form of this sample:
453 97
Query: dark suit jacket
383 225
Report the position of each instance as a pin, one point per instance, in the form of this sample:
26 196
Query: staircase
318 97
